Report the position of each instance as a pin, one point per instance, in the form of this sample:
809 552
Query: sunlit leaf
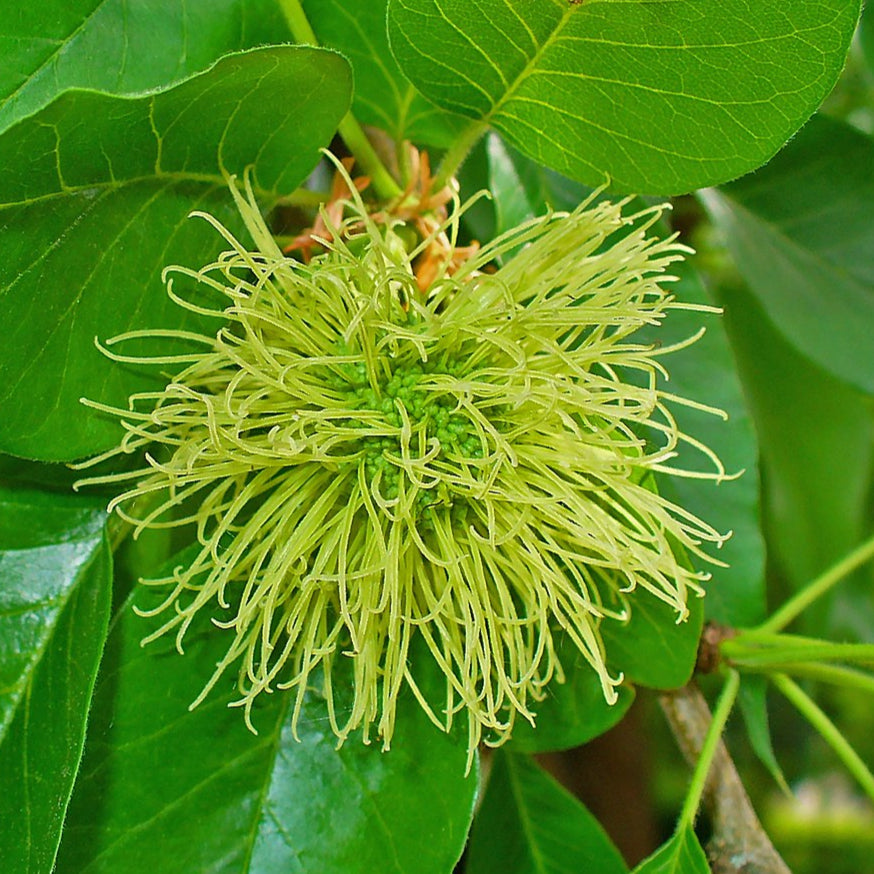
94 203
659 97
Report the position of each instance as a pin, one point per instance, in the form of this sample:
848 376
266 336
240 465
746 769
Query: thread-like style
366 463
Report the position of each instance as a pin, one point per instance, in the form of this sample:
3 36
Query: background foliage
117 119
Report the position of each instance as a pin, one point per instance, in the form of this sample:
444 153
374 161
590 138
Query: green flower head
367 463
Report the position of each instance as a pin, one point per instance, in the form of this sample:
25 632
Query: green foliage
659 98
817 493
801 231
572 712
528 824
56 574
117 120
384 97
176 791
682 854
90 213
119 48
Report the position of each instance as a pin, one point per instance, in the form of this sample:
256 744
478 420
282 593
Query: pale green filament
366 463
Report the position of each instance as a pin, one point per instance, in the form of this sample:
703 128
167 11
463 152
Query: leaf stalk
384 184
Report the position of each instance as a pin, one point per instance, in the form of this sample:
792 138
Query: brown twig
739 844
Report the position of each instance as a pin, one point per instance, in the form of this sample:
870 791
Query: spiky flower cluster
366 463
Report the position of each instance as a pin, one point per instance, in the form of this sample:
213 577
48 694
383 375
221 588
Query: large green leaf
661 97
113 45
54 606
682 854
801 231
165 789
384 97
817 437
528 824
93 205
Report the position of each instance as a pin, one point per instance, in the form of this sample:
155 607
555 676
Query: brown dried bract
419 206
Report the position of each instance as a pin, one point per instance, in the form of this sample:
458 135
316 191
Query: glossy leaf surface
573 712
55 573
169 790
121 47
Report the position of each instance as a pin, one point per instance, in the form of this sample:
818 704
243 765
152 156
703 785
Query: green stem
827 729
708 750
298 22
384 184
457 152
837 675
303 197
816 589
743 653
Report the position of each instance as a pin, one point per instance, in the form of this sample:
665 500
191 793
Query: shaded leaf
111 45
752 699
169 790
528 824
801 231
682 854
93 205
383 97
816 437
660 97
54 605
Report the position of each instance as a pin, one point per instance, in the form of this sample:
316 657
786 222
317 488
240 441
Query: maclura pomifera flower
367 462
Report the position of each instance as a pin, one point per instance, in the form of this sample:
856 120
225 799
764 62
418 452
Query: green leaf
706 372
682 854
528 824
816 436
93 205
513 176
111 45
651 648
384 97
866 35
752 698
573 712
801 231
165 789
55 584
659 97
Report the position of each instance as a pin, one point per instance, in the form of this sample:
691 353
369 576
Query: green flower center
415 419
